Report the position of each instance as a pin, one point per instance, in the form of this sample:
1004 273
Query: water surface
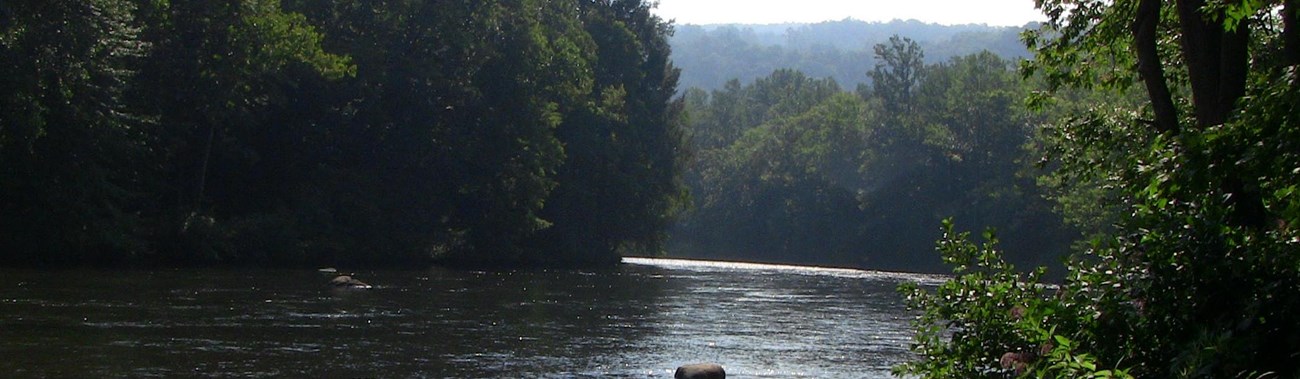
639 320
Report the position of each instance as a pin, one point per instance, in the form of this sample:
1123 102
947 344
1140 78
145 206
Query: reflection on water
640 320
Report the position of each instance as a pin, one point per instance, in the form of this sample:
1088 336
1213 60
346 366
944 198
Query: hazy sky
991 12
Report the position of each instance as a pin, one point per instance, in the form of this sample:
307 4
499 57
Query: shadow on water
637 320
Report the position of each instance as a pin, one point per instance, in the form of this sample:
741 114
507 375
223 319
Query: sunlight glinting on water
641 319
702 265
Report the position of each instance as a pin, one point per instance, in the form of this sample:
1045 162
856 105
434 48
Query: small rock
349 282
701 371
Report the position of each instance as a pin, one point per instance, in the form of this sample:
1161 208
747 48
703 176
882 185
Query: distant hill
710 55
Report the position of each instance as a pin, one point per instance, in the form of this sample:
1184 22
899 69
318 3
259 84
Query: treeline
797 169
711 55
302 132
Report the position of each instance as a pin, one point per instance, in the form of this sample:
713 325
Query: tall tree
620 185
69 192
216 73
895 83
898 73
533 72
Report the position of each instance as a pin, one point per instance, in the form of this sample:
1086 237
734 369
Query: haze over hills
794 160
710 55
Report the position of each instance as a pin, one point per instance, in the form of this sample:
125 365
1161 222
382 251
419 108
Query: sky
948 12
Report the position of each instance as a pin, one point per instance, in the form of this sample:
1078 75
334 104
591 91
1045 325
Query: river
639 320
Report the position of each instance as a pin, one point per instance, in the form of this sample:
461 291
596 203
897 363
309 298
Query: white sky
948 12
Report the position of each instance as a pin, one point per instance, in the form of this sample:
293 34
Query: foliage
898 74
620 186
1199 276
322 132
792 168
992 321
794 177
67 139
1082 153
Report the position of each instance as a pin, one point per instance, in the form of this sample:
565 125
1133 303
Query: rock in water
348 282
700 371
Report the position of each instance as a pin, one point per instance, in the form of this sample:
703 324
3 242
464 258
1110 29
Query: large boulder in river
700 371
345 281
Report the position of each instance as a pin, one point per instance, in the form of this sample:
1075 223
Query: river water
639 320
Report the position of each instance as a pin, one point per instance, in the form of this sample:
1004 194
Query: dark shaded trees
328 132
70 147
785 190
746 168
620 185
212 82
958 153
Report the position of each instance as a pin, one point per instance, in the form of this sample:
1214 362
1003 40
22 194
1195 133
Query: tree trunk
1150 68
1290 33
1217 62
203 169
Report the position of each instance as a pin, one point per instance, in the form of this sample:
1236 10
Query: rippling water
639 320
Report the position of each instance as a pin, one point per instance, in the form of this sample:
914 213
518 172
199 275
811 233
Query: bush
992 321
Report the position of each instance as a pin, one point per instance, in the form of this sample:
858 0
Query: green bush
992 321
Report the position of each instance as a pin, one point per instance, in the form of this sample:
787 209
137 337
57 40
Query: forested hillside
710 55
317 132
794 168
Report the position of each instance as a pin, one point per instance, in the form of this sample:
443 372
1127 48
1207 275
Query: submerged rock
345 281
701 371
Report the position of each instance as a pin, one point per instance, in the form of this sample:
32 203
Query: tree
898 73
535 133
310 132
1199 278
725 114
620 185
216 74
1196 186
767 186
786 190
68 142
895 82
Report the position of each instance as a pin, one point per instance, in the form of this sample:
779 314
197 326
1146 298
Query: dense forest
320 132
315 132
796 169
712 55
845 143
553 132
